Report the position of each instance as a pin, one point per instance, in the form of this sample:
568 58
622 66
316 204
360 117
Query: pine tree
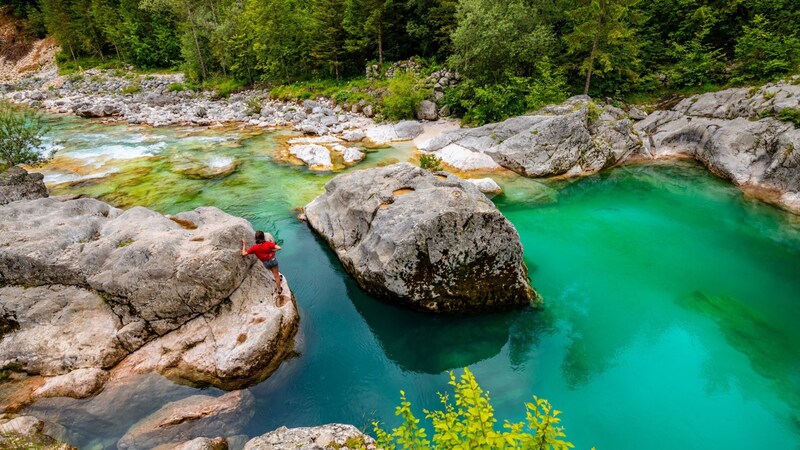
603 35
326 34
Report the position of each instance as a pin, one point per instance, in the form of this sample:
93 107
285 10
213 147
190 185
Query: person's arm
244 248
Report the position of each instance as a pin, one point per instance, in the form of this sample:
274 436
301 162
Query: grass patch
125 243
176 87
224 87
132 88
790 115
341 92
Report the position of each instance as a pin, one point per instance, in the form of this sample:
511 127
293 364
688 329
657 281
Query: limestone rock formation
575 138
17 184
734 134
114 293
331 436
190 418
433 242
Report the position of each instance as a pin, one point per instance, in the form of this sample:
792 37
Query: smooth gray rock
426 110
17 184
574 138
433 242
330 436
54 330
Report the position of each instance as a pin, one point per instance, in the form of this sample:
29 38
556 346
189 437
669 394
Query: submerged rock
331 436
190 418
433 242
17 184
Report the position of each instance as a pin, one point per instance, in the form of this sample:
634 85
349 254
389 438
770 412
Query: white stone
465 159
313 155
486 185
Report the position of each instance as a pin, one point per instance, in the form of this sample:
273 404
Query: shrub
548 87
430 162
470 423
253 106
225 87
132 88
21 132
176 87
405 94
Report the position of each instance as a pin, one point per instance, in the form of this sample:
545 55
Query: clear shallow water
670 318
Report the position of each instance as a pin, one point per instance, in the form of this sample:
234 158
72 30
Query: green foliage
405 94
21 133
593 112
8 369
764 54
468 422
549 86
697 64
132 88
176 87
253 105
430 162
604 38
496 39
125 243
224 87
790 115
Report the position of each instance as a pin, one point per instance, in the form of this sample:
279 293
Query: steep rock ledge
109 294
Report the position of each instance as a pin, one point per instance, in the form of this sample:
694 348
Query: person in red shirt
265 252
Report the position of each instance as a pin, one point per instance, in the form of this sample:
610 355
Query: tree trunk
591 64
197 46
72 52
380 43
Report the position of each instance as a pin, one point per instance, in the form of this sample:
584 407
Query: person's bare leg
277 275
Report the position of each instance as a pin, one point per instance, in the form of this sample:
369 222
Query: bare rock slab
331 436
17 184
190 418
432 242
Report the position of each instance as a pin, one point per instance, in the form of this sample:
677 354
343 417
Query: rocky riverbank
91 295
736 133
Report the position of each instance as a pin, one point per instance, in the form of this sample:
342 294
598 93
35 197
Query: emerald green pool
671 302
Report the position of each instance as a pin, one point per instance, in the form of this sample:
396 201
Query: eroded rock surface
17 184
433 242
331 436
113 293
733 134
574 138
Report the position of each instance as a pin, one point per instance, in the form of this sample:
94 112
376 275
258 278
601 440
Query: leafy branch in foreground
469 423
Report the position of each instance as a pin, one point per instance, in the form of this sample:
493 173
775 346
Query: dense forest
515 52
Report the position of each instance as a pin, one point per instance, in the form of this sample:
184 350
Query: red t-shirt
264 252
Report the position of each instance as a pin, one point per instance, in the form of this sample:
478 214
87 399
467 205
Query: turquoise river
671 318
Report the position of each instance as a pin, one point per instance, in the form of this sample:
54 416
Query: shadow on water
431 343
769 352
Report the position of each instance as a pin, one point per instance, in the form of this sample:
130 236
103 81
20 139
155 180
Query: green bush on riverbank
467 421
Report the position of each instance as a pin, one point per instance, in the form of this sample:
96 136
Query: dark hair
260 237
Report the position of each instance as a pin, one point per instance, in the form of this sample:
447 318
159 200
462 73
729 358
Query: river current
671 301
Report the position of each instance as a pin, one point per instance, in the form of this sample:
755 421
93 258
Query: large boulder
331 436
164 271
433 242
111 293
190 418
575 138
17 184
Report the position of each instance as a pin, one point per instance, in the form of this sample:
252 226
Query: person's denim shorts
270 263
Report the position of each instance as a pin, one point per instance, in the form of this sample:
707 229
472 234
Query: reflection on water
630 367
